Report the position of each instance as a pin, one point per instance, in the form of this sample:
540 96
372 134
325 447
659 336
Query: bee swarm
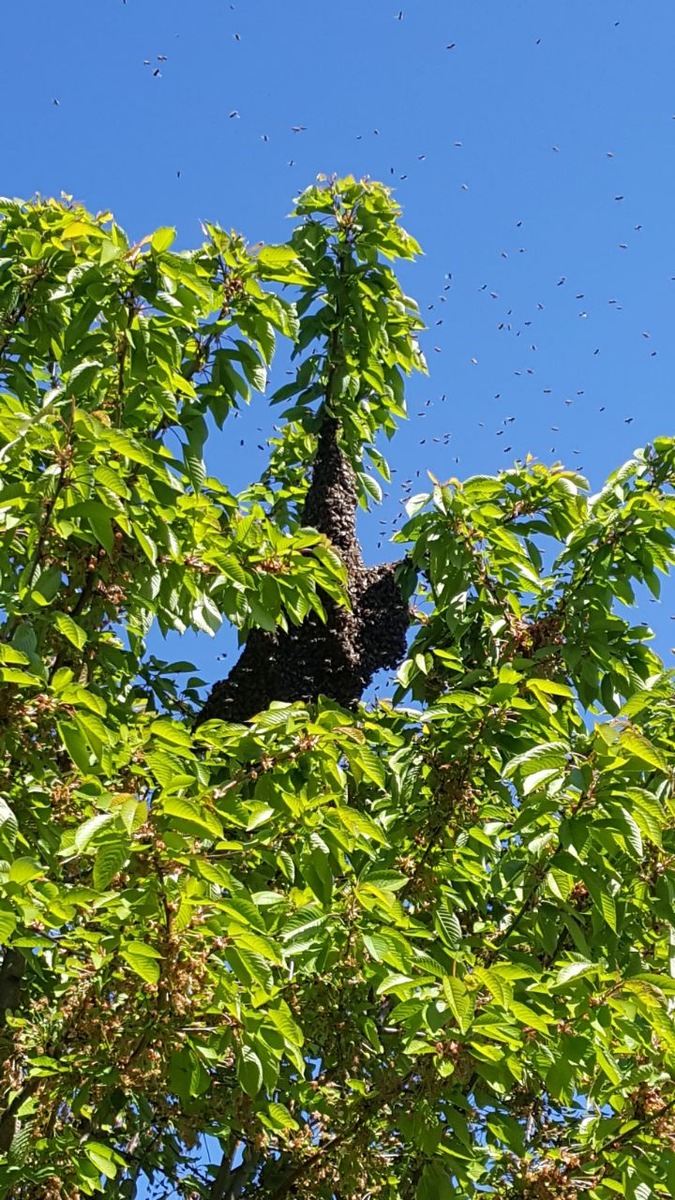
338 657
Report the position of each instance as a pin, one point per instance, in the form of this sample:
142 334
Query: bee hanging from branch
336 657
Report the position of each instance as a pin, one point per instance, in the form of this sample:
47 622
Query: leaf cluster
420 950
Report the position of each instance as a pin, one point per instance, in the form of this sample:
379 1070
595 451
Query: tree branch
230 1182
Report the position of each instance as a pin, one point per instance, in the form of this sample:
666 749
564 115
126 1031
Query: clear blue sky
529 153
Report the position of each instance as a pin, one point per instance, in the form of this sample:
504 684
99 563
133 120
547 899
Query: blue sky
534 161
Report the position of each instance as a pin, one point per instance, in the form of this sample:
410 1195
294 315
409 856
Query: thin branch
501 939
646 1121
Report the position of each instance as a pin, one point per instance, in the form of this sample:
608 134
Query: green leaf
96 733
280 1117
360 824
551 688
289 1029
8 822
172 733
636 744
162 238
70 630
249 1070
98 516
608 1065
109 860
87 832
459 1001
608 909
7 924
14 675
370 765
495 983
76 746
281 262
633 834
193 817
146 543
449 927
23 870
548 756
275 257
574 970
143 960
82 376
101 1157
260 616
101 527
246 939
9 654
527 1016
47 585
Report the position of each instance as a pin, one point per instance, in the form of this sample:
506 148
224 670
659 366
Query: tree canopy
421 947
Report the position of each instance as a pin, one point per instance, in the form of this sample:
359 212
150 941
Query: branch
11 974
230 1182
499 941
8 1117
646 1121
64 474
309 1164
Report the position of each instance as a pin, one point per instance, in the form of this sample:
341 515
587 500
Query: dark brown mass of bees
338 657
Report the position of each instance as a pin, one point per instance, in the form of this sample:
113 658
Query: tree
419 948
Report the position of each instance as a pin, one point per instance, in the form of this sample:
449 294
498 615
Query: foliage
423 949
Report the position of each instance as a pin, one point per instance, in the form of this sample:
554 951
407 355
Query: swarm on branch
338 657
